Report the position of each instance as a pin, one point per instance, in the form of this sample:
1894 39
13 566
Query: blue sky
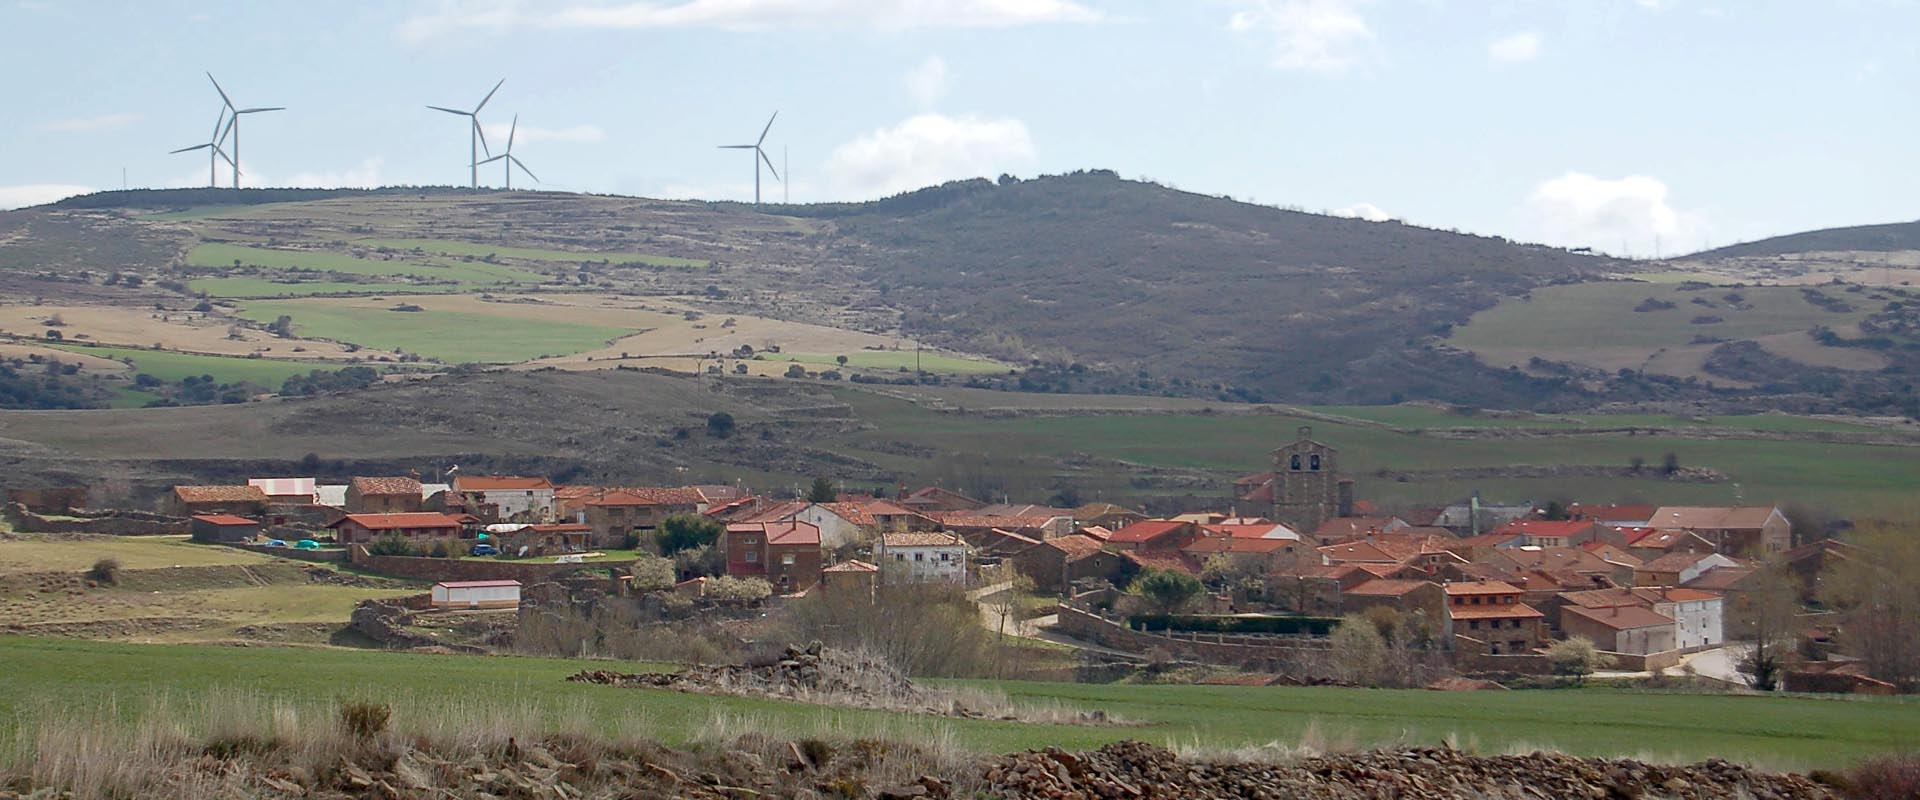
1623 125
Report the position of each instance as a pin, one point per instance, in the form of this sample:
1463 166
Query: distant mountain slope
1197 290
1871 238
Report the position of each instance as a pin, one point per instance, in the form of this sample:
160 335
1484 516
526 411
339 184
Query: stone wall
334 555
1226 649
117 523
462 569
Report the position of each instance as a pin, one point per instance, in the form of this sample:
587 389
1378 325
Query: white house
836 529
1697 617
922 557
476 594
528 499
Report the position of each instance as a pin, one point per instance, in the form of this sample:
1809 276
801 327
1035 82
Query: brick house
1744 531
786 553
1154 535
223 528
399 495
1491 612
1631 629
616 513
1399 594
187 501
1055 564
422 529
545 539
934 498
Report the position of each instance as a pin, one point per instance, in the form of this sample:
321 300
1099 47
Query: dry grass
176 330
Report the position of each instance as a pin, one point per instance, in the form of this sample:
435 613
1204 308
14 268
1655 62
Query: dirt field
94 364
175 330
1898 268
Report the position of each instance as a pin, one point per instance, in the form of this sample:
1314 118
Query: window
919 556
1517 645
753 557
1295 463
1476 599
787 559
1493 648
899 556
946 556
1509 600
1473 624
1313 462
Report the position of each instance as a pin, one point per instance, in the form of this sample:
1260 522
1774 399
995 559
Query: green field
1562 320
243 287
1779 733
465 273
264 372
476 250
450 336
894 360
1430 417
1858 477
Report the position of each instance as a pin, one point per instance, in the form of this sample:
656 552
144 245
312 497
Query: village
1487 589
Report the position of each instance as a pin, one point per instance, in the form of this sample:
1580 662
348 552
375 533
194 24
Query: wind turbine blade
483 100
452 111
486 161
736 147
511 131
259 110
231 121
186 149
482 132
223 92
217 122
763 131
523 168
763 157
224 157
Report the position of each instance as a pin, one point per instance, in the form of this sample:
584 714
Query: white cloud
1366 211
501 15
1326 36
33 194
1524 46
497 134
364 175
104 122
927 83
925 150
1630 214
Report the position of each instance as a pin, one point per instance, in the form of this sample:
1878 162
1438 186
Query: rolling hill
1890 237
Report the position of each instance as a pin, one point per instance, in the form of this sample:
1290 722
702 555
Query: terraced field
446 335
481 250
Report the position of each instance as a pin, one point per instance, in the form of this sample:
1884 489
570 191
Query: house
384 495
476 594
286 491
852 578
785 552
1471 519
1491 612
922 557
223 528
1055 564
186 501
1154 535
615 514
1106 515
1696 616
969 524
1260 554
1652 543
997 543
1676 569
1617 516
1745 531
1553 533
508 498
1477 548
422 528
1359 552
334 496
1051 521
1400 594
1340 529
934 498
1631 629
545 539
841 524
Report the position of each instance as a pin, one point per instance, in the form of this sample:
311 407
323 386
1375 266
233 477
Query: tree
1637 464
822 491
652 574
841 360
796 371
1763 616
1168 591
1879 602
1555 511
729 589
1359 651
720 425
1231 571
1669 464
1577 658
686 531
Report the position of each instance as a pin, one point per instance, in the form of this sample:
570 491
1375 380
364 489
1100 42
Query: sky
1639 127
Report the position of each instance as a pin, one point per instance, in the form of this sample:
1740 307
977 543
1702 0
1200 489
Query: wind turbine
760 156
233 124
476 138
214 151
509 158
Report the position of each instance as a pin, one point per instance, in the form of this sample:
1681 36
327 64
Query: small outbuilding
476 594
223 528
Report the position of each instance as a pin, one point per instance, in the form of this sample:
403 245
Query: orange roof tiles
375 487
224 519
1620 618
1481 587
1386 587
380 522
220 494
1502 611
1145 530
483 483
650 496
921 539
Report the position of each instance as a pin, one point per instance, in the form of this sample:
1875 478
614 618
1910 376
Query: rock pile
800 672
1137 770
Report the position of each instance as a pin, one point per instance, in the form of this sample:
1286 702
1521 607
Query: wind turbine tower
508 156
759 156
476 138
233 124
214 152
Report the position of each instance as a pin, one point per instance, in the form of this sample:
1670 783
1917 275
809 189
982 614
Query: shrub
364 720
1577 658
1301 626
105 572
389 545
687 531
1887 776
720 425
652 573
1167 590
727 588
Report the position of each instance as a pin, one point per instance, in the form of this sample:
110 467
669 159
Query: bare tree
1879 601
1763 616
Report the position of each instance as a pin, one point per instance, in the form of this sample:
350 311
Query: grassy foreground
1777 733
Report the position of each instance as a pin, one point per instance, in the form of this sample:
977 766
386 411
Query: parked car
276 543
306 544
484 549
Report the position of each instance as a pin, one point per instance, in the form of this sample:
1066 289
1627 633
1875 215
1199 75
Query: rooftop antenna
214 152
476 138
760 156
233 124
509 157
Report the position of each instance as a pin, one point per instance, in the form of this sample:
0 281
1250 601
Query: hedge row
1187 623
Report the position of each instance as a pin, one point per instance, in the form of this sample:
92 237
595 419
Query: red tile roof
1349 527
1618 512
1162 561
381 522
1145 530
475 584
1361 551
1547 527
921 539
1557 558
854 565
561 527
1673 562
1711 517
1254 531
1228 544
376 487
1095 532
1481 587
1501 611
482 483
1384 587
650 496
224 519
1075 547
1620 618
1720 579
220 494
